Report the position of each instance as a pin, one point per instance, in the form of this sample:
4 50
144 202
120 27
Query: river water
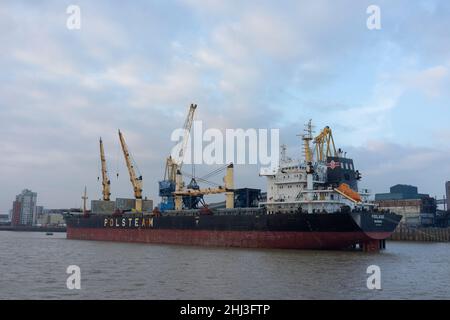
33 266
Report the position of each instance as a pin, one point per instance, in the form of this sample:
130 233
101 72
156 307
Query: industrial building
50 218
4 219
24 209
119 205
400 192
443 213
416 208
447 195
53 217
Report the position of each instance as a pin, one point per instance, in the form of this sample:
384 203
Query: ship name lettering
123 222
111 222
129 221
136 222
105 223
117 223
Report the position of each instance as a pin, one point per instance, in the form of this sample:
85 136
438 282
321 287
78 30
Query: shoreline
429 234
33 229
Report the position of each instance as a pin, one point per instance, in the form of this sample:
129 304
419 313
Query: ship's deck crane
325 145
136 181
174 165
106 183
172 189
177 163
228 189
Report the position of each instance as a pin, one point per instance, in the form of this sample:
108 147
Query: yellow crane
106 183
228 189
136 181
173 165
173 171
325 145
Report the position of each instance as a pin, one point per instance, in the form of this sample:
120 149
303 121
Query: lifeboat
345 190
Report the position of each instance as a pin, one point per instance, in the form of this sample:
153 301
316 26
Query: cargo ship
311 203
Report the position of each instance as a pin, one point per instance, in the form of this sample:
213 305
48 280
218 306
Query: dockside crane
136 181
106 183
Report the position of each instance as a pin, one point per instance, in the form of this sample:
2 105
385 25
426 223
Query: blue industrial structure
401 192
166 189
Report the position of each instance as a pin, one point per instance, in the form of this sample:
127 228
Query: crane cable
214 172
203 179
117 161
134 164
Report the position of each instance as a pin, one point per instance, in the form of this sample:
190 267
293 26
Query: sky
138 65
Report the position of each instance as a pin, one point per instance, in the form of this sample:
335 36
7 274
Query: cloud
432 81
384 164
247 65
372 118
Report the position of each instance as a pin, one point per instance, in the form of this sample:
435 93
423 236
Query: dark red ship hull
284 231
246 239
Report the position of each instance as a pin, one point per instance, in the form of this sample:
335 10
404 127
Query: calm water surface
33 266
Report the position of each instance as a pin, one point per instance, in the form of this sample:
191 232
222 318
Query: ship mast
84 197
307 137
283 153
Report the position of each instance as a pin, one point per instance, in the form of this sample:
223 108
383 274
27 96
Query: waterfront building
416 208
4 218
38 214
50 218
24 208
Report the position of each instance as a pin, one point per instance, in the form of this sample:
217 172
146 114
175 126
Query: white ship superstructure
324 181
